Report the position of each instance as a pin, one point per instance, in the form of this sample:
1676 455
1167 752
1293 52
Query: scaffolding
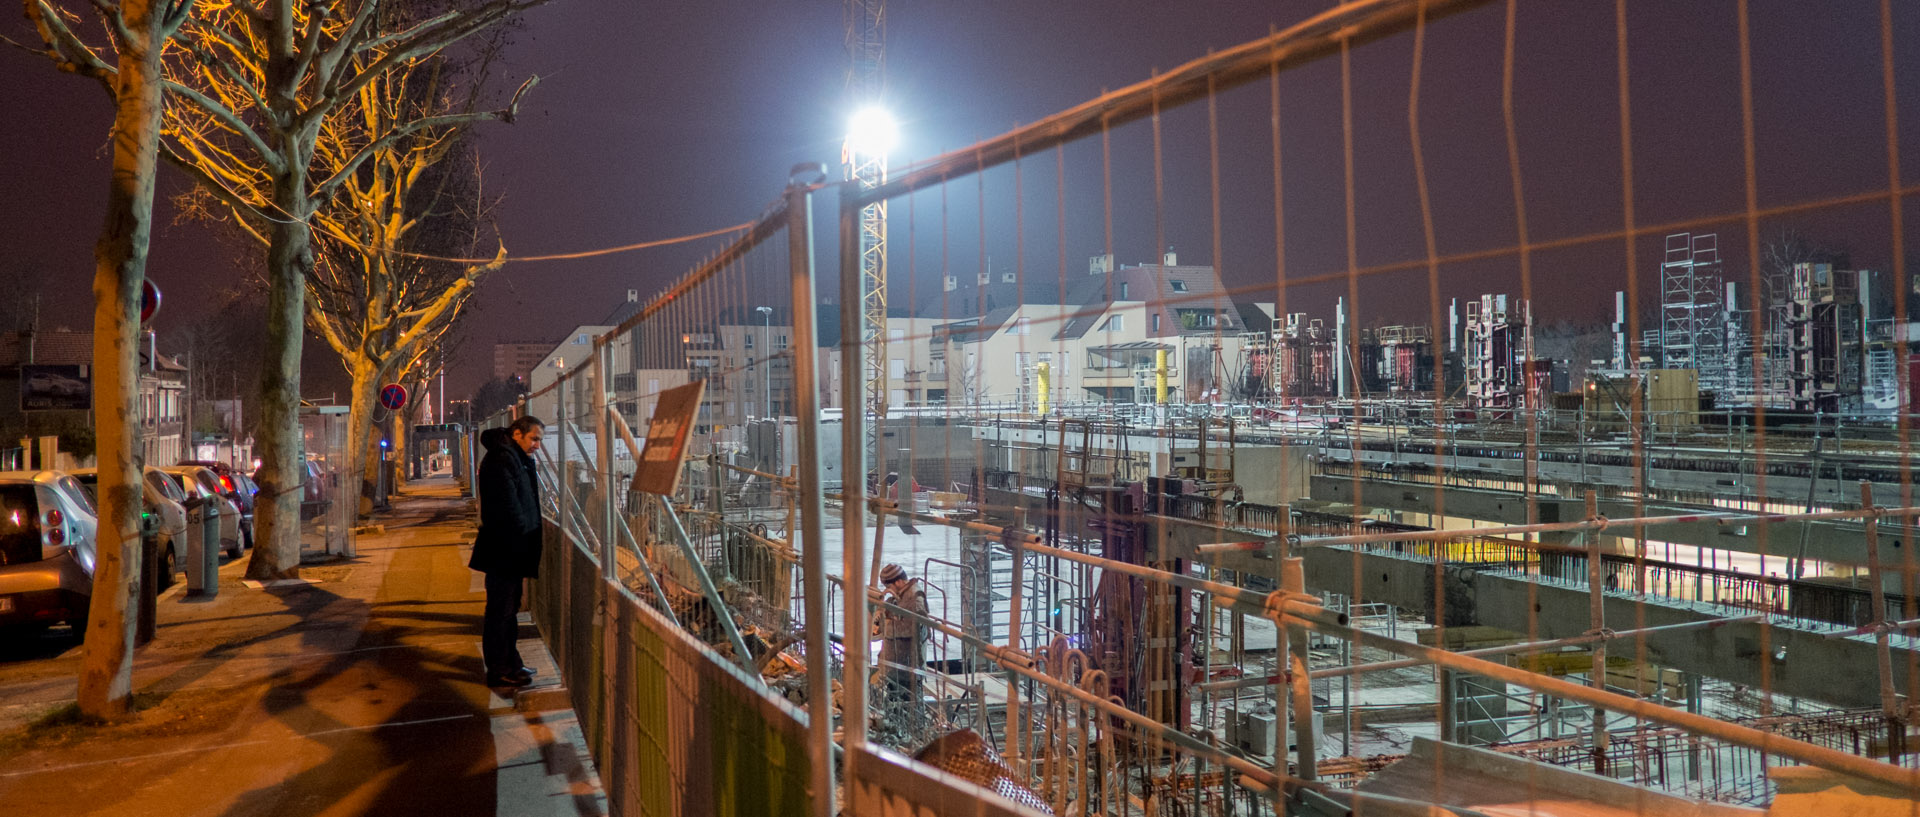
1693 310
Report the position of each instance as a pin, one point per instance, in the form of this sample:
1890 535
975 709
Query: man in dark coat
507 548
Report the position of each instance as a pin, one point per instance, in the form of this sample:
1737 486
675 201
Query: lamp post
766 357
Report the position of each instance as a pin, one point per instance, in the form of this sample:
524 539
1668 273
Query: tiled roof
58 348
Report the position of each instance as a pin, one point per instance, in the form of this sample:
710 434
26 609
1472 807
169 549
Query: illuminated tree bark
140 30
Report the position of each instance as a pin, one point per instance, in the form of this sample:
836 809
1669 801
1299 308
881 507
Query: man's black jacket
509 538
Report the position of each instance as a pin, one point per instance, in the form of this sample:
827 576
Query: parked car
196 480
49 383
47 529
313 489
161 498
238 488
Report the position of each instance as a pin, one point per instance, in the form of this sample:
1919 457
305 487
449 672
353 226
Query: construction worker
903 639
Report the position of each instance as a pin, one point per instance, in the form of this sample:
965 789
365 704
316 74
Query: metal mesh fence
1405 524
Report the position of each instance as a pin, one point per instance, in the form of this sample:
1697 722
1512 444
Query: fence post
853 482
1876 580
561 495
1597 615
603 459
1293 574
809 495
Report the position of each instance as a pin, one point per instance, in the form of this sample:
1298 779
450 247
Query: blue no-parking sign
393 396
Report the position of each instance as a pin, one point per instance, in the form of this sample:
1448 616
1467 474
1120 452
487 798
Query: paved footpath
355 692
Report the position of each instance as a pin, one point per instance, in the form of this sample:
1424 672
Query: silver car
200 481
47 529
161 497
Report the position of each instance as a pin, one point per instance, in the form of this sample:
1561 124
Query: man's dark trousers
500 631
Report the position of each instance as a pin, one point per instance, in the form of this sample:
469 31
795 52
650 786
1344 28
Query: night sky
679 119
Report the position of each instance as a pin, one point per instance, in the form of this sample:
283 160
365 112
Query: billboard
55 388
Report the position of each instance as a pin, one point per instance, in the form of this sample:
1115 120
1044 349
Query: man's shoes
511 679
524 672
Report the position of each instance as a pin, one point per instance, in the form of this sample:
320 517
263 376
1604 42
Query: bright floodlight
872 132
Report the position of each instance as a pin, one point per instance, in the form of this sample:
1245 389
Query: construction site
1139 540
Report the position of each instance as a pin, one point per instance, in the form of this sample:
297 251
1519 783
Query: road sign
393 396
149 300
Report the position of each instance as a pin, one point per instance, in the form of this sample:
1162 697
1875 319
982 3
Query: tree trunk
120 258
362 397
276 512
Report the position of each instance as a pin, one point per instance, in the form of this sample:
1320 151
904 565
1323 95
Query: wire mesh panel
1304 428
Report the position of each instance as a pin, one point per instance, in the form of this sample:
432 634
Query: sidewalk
357 691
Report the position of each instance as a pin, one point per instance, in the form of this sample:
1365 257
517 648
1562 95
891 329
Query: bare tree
381 292
139 31
254 90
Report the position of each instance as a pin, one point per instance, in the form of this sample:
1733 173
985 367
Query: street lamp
766 357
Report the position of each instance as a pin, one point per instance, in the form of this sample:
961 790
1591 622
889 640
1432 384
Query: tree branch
65 48
324 190
232 122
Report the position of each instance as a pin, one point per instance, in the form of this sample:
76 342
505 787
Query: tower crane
869 136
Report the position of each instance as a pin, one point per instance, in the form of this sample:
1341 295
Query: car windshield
19 524
185 485
80 496
91 484
167 487
208 481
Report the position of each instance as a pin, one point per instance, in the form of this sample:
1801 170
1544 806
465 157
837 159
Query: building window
1116 323
1123 290
896 335
1021 326
582 340
749 342
897 368
1156 321
1178 286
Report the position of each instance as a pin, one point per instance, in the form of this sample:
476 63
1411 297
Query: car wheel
78 621
232 547
166 565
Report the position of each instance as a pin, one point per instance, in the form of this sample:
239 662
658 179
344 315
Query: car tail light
56 532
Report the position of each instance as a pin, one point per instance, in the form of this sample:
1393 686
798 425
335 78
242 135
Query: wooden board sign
666 445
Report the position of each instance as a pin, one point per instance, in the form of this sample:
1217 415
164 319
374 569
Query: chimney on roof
1170 260
1006 278
953 283
1100 265
633 296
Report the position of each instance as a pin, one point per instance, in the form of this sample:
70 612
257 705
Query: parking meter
203 550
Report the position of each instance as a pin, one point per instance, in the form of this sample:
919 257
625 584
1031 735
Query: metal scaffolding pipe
1864 768
1596 524
1018 662
1295 604
1507 649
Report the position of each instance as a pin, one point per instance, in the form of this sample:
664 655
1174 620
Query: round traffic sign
393 396
149 300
